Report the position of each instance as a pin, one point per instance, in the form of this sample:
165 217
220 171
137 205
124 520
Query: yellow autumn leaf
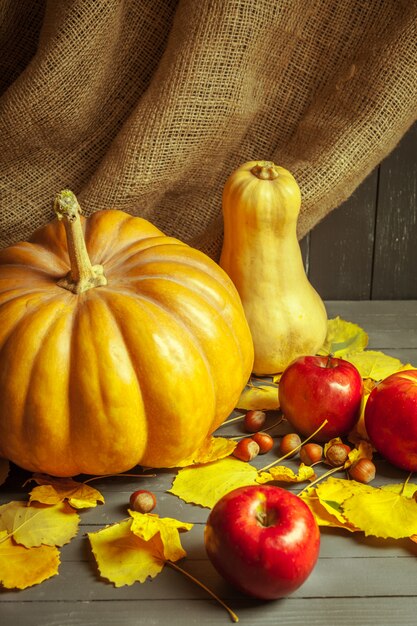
21 567
4 470
38 524
333 492
382 513
286 475
147 525
363 450
206 484
259 397
407 490
124 558
138 548
213 449
54 490
343 338
358 432
329 516
373 364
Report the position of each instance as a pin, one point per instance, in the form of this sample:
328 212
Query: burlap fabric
148 105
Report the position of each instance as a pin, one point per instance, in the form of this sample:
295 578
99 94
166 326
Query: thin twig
291 452
233 615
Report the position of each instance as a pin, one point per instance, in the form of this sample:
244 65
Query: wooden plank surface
358 579
396 224
365 248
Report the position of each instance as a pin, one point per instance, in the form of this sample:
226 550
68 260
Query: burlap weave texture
148 105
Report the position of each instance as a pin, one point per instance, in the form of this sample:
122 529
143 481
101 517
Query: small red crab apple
262 539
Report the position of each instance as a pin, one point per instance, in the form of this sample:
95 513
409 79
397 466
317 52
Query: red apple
391 419
315 388
262 539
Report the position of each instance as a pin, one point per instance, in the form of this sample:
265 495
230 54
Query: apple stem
329 359
291 452
405 483
233 615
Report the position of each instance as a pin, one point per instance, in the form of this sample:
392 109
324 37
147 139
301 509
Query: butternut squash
261 254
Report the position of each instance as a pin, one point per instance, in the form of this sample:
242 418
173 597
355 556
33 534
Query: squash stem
265 170
83 275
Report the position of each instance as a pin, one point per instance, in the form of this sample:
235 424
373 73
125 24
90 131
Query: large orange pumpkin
132 358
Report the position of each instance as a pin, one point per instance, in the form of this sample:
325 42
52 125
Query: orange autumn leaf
54 490
22 567
124 556
37 524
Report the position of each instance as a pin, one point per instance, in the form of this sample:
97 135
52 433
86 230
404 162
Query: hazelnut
337 454
290 443
142 501
363 471
264 441
254 421
246 450
311 453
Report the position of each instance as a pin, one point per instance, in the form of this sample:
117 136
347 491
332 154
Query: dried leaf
148 525
343 338
4 470
407 490
358 433
373 364
382 513
286 475
213 449
54 490
21 567
259 397
123 558
136 549
38 524
206 484
328 515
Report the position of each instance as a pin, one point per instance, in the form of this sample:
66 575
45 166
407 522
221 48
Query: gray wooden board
395 250
365 248
358 579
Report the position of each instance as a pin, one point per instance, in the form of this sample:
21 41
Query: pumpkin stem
83 275
265 170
